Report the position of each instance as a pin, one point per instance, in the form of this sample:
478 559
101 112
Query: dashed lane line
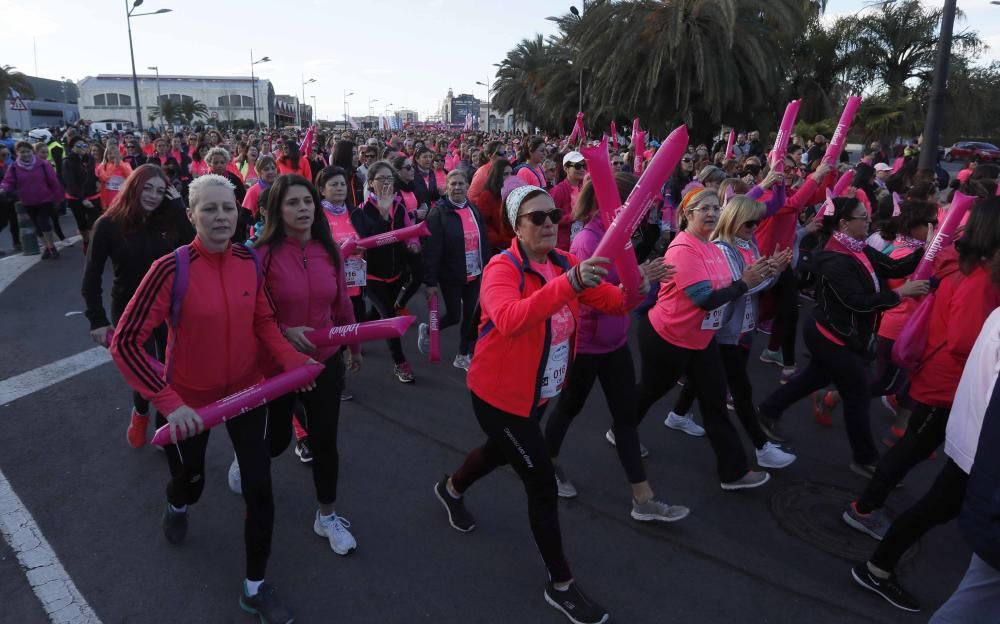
22 385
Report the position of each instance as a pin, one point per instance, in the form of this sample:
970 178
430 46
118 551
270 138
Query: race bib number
713 319
114 183
473 264
555 370
748 319
356 272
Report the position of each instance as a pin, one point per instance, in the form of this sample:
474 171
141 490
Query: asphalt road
98 503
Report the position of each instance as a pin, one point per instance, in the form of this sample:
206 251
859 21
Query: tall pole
135 79
935 103
159 96
253 86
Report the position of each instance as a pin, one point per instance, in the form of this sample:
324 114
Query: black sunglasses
751 223
578 166
618 163
538 217
407 167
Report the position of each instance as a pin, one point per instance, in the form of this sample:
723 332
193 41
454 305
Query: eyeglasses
538 217
715 209
578 166
383 179
81 145
864 218
407 168
687 160
751 223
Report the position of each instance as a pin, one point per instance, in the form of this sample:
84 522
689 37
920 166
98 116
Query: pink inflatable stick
729 145
960 205
614 136
784 134
253 397
640 152
348 246
434 320
843 183
395 236
360 332
839 139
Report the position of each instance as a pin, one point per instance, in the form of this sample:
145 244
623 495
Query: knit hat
513 193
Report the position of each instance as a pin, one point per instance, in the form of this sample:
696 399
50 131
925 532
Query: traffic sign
17 104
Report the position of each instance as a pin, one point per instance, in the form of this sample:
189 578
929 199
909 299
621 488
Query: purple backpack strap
181 277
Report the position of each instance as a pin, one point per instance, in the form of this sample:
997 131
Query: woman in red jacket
292 161
531 297
304 278
565 193
213 351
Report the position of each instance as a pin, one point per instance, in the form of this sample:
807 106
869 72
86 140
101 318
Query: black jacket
388 261
980 517
444 250
426 191
79 176
165 229
847 304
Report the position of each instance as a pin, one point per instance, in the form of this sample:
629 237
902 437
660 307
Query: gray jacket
732 320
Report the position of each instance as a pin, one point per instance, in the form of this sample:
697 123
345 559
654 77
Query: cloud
28 18
321 63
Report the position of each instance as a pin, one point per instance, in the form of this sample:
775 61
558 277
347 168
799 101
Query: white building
109 97
407 116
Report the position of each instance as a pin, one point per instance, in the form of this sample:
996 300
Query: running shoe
891 403
772 357
463 362
655 511
610 437
566 487
865 470
889 588
765 327
892 436
424 338
729 403
823 405
773 456
458 516
345 395
335 530
234 478
175 525
265 605
46 254
751 479
771 428
875 523
302 451
403 372
575 605
136 434
685 423
402 311
786 374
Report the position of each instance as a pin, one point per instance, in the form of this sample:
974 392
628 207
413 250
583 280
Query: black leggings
85 217
321 419
786 316
734 361
383 298
413 279
186 459
846 369
460 301
8 216
617 374
663 364
941 503
924 433
43 216
518 441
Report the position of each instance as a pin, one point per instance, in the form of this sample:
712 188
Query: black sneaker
889 588
574 605
303 451
771 428
175 525
458 516
265 605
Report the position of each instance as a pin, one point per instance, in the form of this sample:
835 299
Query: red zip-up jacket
225 318
511 354
778 230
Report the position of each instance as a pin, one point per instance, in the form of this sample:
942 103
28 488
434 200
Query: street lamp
304 83
253 85
488 91
129 14
579 16
371 109
935 103
159 97
315 109
346 112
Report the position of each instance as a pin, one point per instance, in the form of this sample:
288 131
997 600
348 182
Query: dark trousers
460 301
941 503
518 441
8 216
663 364
186 459
734 360
412 279
924 433
617 375
889 378
786 316
42 216
156 346
846 369
383 297
320 420
85 217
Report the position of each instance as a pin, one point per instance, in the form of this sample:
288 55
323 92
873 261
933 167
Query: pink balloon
960 205
253 397
784 133
729 145
360 332
434 320
395 236
839 139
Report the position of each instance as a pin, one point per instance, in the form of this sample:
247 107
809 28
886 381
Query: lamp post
304 83
579 15
371 109
253 85
315 110
347 121
159 96
129 14
935 103
489 90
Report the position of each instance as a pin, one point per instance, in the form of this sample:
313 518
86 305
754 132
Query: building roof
51 90
182 78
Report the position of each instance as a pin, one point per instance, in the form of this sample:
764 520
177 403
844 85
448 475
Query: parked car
973 150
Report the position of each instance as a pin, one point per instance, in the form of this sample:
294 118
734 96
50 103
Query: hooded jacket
35 185
444 250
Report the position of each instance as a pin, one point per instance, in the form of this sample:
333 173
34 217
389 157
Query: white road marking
61 600
14 388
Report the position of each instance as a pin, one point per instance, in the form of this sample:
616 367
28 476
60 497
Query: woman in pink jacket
33 181
304 277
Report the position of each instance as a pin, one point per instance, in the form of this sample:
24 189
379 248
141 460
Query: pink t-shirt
355 268
532 176
894 319
563 326
473 251
675 317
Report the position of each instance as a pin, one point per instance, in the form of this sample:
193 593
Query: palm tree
534 80
168 111
192 109
11 79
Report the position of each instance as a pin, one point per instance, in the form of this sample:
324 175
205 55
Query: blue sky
404 52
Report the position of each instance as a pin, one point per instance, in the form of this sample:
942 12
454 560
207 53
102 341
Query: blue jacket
980 517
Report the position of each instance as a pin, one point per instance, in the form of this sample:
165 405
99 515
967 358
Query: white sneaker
610 437
565 486
335 530
773 456
235 484
685 423
462 361
424 338
655 511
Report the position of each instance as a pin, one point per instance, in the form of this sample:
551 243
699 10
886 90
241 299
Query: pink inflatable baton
784 133
577 128
434 320
253 397
640 152
395 236
839 139
614 136
960 205
730 143
843 182
360 332
348 246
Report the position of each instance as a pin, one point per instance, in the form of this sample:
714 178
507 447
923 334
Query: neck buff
337 210
854 245
909 242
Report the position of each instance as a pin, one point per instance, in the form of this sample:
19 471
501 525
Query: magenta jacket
306 289
38 185
598 332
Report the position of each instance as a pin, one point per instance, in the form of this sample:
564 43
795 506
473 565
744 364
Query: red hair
126 208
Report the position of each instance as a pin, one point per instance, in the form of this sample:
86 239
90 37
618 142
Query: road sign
17 104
